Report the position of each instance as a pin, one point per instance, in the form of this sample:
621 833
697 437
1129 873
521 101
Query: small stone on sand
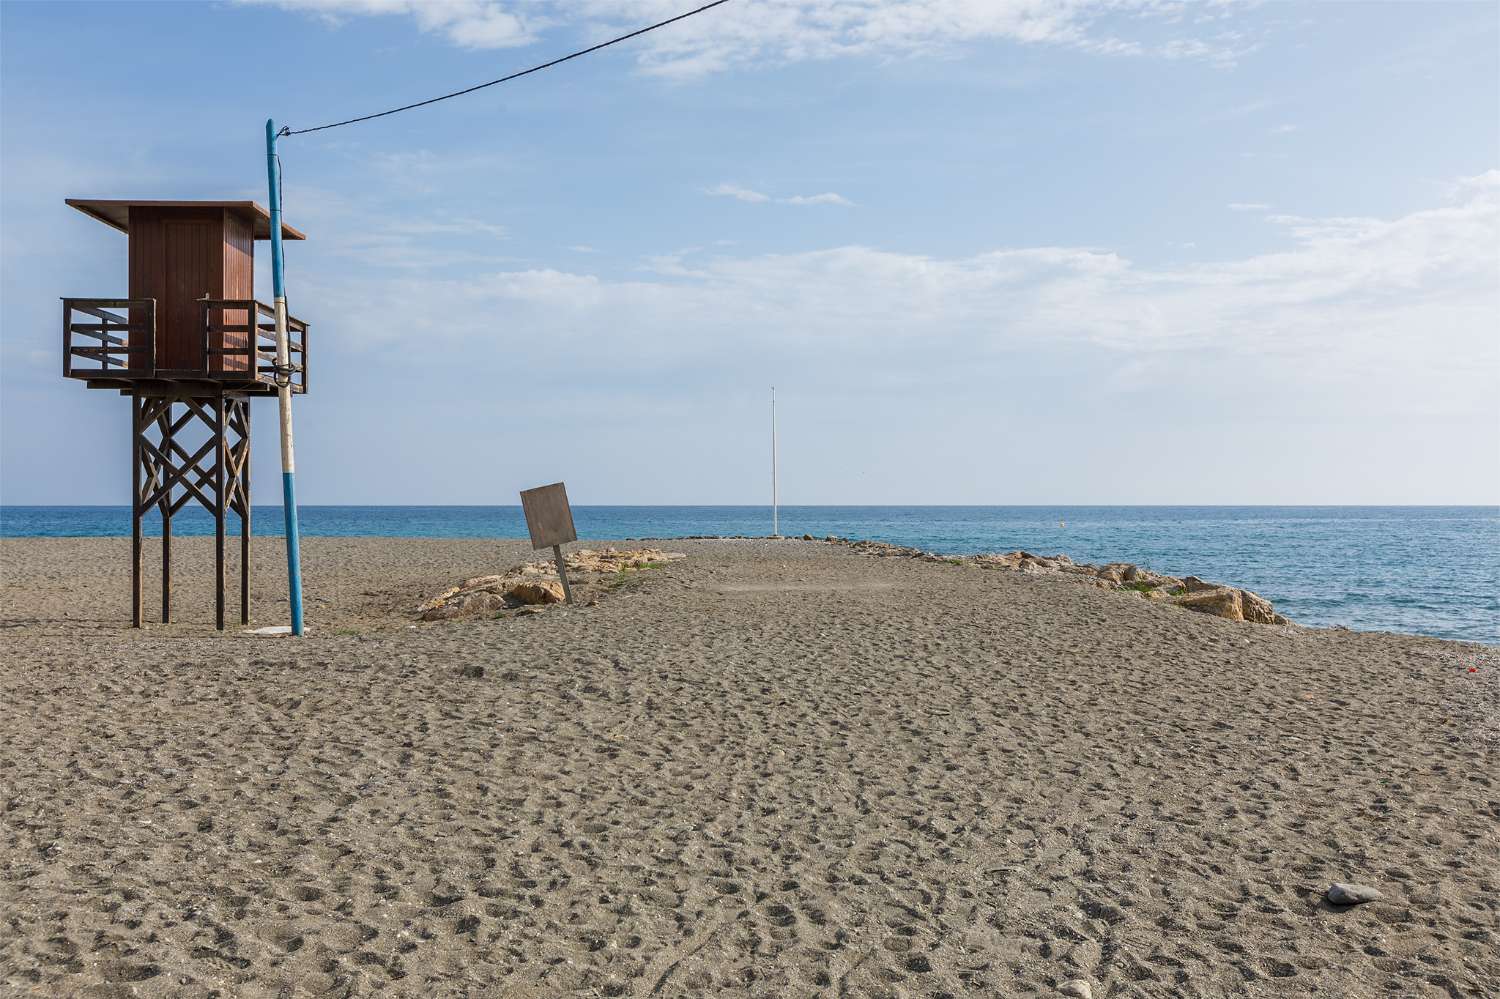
1340 893
1078 988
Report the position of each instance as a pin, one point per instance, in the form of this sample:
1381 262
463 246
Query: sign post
550 521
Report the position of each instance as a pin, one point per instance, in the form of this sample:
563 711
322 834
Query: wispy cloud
470 24
787 31
826 198
754 197
1248 206
1403 305
738 193
448 227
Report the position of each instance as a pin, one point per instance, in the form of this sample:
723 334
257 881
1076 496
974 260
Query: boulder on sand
1343 893
1257 608
1221 601
541 591
462 606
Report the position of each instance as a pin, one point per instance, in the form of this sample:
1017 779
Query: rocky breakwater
1187 592
535 584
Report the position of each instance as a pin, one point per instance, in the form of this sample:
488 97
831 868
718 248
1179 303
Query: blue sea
1421 570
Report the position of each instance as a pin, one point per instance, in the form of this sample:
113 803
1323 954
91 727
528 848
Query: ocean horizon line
824 506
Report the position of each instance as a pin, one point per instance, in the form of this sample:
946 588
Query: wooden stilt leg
136 429
245 512
166 522
219 461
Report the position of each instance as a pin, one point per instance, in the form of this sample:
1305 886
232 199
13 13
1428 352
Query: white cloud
745 194
826 198
1401 305
470 24
737 193
789 31
451 227
1248 206
802 30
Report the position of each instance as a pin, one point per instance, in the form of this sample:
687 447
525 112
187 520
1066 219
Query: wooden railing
239 342
121 343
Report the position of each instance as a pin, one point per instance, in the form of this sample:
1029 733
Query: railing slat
105 351
120 340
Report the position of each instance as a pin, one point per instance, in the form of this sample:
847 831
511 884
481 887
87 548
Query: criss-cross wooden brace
166 476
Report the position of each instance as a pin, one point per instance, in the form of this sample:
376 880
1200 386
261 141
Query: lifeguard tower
190 346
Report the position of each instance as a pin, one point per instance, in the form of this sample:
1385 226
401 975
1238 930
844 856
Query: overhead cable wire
525 72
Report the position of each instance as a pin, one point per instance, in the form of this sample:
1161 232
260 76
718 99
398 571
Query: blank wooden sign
548 516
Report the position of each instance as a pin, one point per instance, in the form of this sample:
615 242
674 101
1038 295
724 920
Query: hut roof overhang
116 214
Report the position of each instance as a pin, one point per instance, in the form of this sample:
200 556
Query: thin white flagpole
775 498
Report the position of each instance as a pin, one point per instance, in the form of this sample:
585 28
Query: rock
473 671
478 581
609 561
1341 893
1256 608
1221 601
535 592
1195 585
1278 619
463 605
1078 988
437 602
482 601
1114 572
807 537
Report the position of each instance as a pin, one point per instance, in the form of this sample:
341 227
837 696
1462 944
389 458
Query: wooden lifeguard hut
190 346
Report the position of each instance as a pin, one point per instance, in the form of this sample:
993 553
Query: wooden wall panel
239 282
147 267
194 270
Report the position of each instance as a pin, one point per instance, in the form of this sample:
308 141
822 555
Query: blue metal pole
284 388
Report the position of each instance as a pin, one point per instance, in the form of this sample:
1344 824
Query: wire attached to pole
525 72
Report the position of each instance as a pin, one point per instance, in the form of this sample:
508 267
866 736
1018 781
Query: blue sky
987 252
